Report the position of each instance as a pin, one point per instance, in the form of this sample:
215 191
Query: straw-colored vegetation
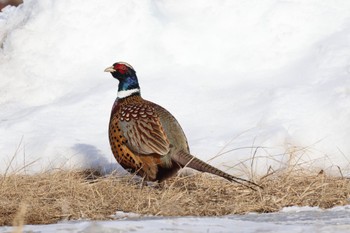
53 196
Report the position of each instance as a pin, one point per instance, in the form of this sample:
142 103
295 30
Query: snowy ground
292 219
271 74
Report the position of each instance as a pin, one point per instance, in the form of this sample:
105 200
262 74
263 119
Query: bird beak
110 69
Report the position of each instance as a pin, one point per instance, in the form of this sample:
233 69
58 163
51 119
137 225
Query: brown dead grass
53 196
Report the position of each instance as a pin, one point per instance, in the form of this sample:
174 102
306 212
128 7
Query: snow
264 79
305 219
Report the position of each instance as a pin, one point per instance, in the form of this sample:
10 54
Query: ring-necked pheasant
145 138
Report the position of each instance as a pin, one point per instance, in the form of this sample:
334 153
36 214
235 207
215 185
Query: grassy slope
53 196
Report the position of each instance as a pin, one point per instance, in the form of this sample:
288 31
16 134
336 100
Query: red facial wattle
121 68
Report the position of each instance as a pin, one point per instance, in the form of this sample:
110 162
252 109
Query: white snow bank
270 74
313 221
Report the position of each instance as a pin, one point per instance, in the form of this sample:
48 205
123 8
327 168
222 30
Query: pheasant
147 139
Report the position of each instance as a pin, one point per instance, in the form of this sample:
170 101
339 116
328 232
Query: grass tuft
50 197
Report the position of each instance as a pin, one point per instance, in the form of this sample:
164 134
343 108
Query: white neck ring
123 94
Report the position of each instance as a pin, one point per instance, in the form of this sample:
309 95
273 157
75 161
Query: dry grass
53 196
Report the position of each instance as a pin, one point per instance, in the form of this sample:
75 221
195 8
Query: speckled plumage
145 138
138 136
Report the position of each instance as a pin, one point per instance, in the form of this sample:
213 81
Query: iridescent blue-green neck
128 85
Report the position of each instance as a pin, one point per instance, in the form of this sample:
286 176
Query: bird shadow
90 157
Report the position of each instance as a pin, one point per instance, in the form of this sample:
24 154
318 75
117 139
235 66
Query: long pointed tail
188 160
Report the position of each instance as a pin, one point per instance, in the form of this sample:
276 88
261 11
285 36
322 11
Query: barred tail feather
187 160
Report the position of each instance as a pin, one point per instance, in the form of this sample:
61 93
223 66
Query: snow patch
266 79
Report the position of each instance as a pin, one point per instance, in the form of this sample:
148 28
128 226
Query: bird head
120 70
126 75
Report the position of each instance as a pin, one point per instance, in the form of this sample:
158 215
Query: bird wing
143 130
